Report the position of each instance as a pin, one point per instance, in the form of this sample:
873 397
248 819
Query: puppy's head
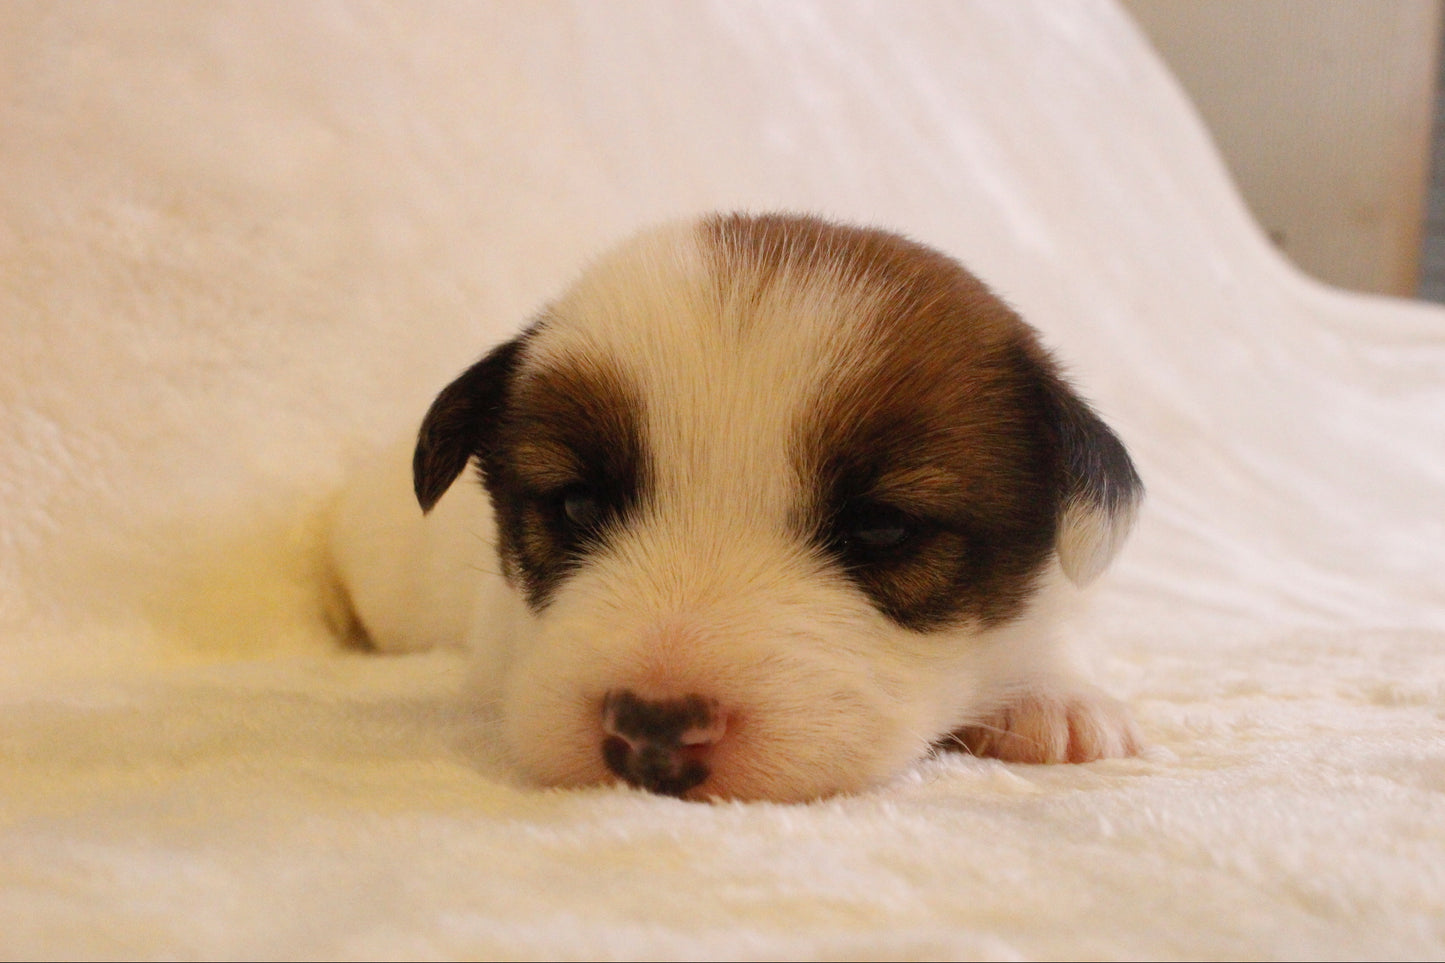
779 495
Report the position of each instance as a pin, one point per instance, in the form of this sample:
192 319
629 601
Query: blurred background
1328 115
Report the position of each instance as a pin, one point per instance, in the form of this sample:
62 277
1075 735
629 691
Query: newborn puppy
773 508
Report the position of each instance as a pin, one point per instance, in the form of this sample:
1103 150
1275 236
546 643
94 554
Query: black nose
661 745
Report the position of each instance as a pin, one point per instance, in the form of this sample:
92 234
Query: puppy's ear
462 422
1100 489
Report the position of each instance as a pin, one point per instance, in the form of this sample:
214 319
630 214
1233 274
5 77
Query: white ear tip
1090 535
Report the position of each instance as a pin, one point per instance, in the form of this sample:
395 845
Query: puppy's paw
1073 726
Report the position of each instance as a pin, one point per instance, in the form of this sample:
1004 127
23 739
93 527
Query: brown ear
462 422
1101 490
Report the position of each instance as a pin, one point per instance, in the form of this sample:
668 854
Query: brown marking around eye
573 422
942 416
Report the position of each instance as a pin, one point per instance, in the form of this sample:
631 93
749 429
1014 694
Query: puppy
769 508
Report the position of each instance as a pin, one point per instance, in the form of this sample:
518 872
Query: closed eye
576 512
874 533
581 508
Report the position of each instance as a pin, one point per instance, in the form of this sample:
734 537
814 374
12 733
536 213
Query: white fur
1089 538
707 591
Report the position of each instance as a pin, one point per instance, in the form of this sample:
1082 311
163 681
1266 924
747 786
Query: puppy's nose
661 745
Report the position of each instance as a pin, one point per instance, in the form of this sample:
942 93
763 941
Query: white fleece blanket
242 242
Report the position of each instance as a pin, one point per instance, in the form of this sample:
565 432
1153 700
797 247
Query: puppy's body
772 507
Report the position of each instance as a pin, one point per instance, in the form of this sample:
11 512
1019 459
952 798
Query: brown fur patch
571 429
944 427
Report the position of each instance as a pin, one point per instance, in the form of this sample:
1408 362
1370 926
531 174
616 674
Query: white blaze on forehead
725 367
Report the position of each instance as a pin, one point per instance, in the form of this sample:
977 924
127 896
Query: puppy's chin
812 691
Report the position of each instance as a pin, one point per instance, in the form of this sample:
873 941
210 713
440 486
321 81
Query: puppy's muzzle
663 746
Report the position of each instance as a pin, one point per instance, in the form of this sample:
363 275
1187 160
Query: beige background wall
1323 111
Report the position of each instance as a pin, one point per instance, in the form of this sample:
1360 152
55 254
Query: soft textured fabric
242 243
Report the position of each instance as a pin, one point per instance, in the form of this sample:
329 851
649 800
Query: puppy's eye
581 509
871 532
879 535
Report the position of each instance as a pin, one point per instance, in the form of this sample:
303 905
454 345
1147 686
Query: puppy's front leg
1076 723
